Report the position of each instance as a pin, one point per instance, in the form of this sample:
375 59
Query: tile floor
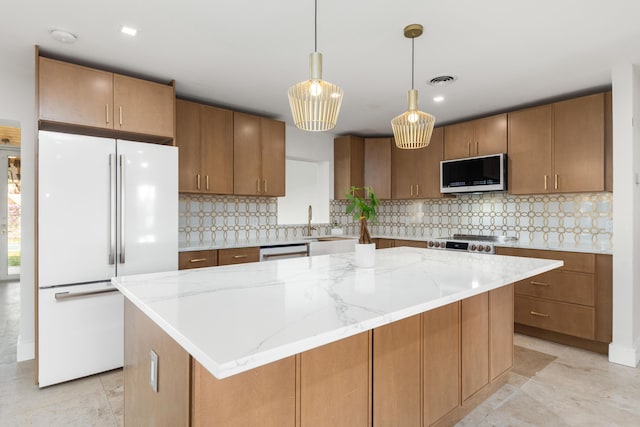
550 385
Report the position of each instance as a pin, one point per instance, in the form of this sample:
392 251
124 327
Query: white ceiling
245 54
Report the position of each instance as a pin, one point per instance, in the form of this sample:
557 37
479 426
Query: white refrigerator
106 208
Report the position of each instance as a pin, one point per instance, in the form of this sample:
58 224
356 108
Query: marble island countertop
239 317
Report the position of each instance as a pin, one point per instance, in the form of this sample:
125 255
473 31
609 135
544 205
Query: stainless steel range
470 243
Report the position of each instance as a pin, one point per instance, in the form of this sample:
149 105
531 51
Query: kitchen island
419 339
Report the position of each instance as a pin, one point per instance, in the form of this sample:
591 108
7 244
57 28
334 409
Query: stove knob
472 247
437 244
487 249
480 248
430 243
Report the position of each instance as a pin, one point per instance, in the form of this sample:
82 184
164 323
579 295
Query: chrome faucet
309 227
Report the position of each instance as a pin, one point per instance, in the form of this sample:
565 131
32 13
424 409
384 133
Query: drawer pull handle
535 313
539 283
239 256
198 260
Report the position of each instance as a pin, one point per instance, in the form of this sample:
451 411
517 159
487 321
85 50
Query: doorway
10 210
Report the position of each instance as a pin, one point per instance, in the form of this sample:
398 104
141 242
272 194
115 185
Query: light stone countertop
238 317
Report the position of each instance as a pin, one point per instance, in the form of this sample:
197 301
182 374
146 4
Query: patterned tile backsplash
569 218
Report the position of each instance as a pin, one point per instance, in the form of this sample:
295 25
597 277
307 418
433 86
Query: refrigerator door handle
122 208
112 209
68 295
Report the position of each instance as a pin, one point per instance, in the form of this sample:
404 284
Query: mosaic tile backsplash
569 218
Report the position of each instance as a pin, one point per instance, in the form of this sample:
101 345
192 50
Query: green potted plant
363 210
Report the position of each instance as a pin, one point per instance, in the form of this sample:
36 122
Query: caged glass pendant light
315 103
413 128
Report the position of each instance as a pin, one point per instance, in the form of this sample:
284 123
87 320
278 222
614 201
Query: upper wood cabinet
348 165
476 138
415 174
259 156
558 148
71 94
377 165
204 136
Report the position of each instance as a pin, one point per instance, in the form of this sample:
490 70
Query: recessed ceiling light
129 31
438 98
63 36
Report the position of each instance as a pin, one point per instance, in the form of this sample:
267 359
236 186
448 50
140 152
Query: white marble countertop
238 317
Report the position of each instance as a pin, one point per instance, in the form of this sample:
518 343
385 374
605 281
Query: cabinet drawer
573 261
564 286
238 255
565 318
410 243
197 259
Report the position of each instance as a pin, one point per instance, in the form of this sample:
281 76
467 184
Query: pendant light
315 103
413 128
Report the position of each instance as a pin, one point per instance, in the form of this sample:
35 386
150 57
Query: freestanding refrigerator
106 208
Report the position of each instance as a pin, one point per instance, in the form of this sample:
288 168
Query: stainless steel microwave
474 174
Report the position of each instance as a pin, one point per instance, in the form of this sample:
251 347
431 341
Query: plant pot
365 255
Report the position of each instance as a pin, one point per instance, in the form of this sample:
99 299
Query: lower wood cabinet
238 255
394 243
197 259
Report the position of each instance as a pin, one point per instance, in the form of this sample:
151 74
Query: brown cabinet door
403 172
384 243
246 154
428 167
142 106
474 315
273 157
335 384
70 93
579 144
501 331
530 148
264 396
490 135
377 166
458 139
217 150
410 243
348 165
441 361
396 369
197 259
188 141
238 255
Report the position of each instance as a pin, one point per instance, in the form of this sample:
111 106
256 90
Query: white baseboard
26 350
623 355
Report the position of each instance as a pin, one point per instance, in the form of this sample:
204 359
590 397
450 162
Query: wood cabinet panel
441 361
428 167
476 138
70 93
474 315
565 286
217 150
335 383
457 140
500 331
384 243
273 157
404 172
608 142
573 261
265 396
377 166
238 255
565 318
579 144
396 369
143 107
410 243
169 406
348 165
197 259
189 143
604 297
246 154
530 150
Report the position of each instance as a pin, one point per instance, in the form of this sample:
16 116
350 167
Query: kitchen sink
331 245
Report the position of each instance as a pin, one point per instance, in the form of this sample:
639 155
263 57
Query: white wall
17 86
625 348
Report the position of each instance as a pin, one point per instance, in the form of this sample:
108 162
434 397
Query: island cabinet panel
397 371
197 259
500 331
377 166
335 383
169 406
474 315
348 165
441 356
264 396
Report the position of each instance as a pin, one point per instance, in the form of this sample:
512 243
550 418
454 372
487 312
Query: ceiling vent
442 80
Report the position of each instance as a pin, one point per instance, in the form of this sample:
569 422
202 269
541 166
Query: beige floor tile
522 411
529 362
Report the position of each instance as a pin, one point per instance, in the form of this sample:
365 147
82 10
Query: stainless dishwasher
268 253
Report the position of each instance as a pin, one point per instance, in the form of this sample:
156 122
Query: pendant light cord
315 45
413 40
